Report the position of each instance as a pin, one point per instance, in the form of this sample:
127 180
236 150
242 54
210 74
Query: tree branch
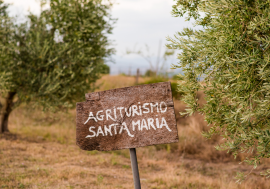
1 106
16 104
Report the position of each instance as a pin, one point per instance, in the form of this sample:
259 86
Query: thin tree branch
16 104
1 106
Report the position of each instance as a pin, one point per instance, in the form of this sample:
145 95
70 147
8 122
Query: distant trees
150 73
155 66
230 50
52 59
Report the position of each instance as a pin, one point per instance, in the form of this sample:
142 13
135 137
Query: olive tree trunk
6 110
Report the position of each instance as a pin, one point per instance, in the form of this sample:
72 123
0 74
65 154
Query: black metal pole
135 170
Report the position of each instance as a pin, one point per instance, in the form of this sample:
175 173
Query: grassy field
40 152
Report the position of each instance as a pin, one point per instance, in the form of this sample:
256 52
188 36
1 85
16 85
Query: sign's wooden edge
177 140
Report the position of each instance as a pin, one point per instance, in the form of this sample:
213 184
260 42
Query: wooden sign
127 117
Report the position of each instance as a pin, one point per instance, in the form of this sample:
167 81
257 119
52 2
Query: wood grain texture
150 105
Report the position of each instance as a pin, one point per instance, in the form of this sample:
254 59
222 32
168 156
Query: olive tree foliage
53 58
231 50
5 39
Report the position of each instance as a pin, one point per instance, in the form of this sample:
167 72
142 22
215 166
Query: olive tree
229 49
52 59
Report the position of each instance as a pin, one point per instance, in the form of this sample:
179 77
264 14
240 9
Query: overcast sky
139 22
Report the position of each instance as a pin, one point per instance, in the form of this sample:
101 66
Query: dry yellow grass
116 81
41 153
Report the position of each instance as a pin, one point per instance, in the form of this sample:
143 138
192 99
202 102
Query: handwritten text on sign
127 118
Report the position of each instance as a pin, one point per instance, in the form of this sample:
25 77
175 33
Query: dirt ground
40 152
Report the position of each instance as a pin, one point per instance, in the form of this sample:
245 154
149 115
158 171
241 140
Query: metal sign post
135 170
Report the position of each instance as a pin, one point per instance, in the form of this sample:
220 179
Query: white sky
139 22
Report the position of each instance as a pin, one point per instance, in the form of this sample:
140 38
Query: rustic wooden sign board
127 117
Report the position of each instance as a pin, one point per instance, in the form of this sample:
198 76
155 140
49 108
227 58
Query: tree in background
155 66
105 69
230 50
150 73
52 59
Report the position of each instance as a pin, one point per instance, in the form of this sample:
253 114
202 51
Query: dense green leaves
53 58
231 52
